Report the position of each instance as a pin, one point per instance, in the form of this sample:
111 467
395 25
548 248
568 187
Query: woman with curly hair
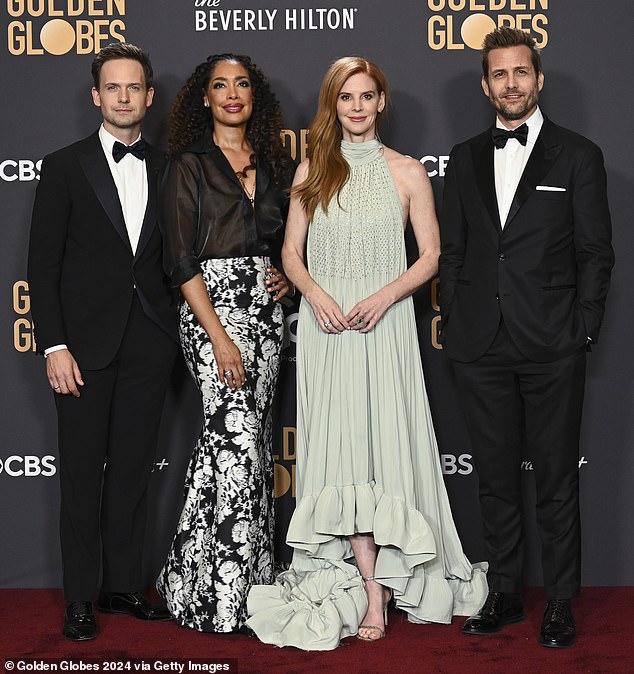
224 204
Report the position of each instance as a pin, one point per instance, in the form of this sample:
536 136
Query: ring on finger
228 373
327 324
56 388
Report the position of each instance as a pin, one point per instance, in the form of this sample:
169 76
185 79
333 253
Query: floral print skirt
224 540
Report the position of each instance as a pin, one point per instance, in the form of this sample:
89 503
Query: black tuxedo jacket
548 271
81 269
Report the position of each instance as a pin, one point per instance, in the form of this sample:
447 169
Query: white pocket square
550 188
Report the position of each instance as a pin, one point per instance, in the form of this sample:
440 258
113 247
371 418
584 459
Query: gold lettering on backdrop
434 294
23 338
435 321
62 26
540 21
486 5
282 480
93 35
21 297
303 143
289 433
456 24
52 8
285 478
289 140
20 37
435 333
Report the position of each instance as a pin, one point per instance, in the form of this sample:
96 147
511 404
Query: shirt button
501 257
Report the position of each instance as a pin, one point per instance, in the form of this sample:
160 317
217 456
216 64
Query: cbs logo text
23 170
456 464
28 466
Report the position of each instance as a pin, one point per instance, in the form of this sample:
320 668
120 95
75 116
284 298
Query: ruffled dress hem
322 599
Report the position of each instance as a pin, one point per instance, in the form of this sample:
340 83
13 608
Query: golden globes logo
60 26
23 339
456 23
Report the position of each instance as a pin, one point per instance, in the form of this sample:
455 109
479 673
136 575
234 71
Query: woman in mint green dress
372 519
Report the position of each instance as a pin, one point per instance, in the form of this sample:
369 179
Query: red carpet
30 628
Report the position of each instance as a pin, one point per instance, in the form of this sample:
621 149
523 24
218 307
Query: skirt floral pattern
224 540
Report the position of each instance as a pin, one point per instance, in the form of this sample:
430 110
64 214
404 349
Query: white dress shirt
510 161
130 177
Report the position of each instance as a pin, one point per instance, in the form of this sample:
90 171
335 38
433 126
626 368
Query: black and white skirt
224 540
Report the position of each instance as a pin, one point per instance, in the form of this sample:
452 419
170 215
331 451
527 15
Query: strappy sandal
375 628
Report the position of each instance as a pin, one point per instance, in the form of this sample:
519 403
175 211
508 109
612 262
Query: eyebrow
369 91
520 67
225 79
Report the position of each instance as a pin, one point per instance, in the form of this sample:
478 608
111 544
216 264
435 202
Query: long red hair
328 171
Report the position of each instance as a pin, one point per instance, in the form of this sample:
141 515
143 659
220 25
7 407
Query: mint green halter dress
367 459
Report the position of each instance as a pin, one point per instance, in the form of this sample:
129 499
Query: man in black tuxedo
105 320
524 273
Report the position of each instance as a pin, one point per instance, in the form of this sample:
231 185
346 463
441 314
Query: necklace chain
250 194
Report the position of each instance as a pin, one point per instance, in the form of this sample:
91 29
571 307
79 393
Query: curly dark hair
190 119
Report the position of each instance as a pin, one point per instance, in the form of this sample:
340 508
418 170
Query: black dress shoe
498 610
132 603
79 621
558 627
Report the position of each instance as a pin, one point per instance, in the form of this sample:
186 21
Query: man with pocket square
524 273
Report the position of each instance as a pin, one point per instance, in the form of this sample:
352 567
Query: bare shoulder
407 170
302 172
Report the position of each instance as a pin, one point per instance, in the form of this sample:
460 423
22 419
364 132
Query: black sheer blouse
206 214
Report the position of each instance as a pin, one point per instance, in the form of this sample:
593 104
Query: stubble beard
510 114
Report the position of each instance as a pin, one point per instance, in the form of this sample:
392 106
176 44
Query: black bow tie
119 150
500 136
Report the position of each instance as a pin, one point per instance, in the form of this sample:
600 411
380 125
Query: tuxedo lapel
482 154
95 166
543 156
152 166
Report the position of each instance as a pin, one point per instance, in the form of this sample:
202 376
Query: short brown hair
500 38
122 50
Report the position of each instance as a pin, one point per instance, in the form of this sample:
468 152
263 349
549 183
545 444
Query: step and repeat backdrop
428 49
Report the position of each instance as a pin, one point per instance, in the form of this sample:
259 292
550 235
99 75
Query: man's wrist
52 349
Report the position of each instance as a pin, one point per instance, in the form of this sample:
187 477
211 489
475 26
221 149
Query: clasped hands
363 316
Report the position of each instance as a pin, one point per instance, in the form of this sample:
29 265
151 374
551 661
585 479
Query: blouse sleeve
179 220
